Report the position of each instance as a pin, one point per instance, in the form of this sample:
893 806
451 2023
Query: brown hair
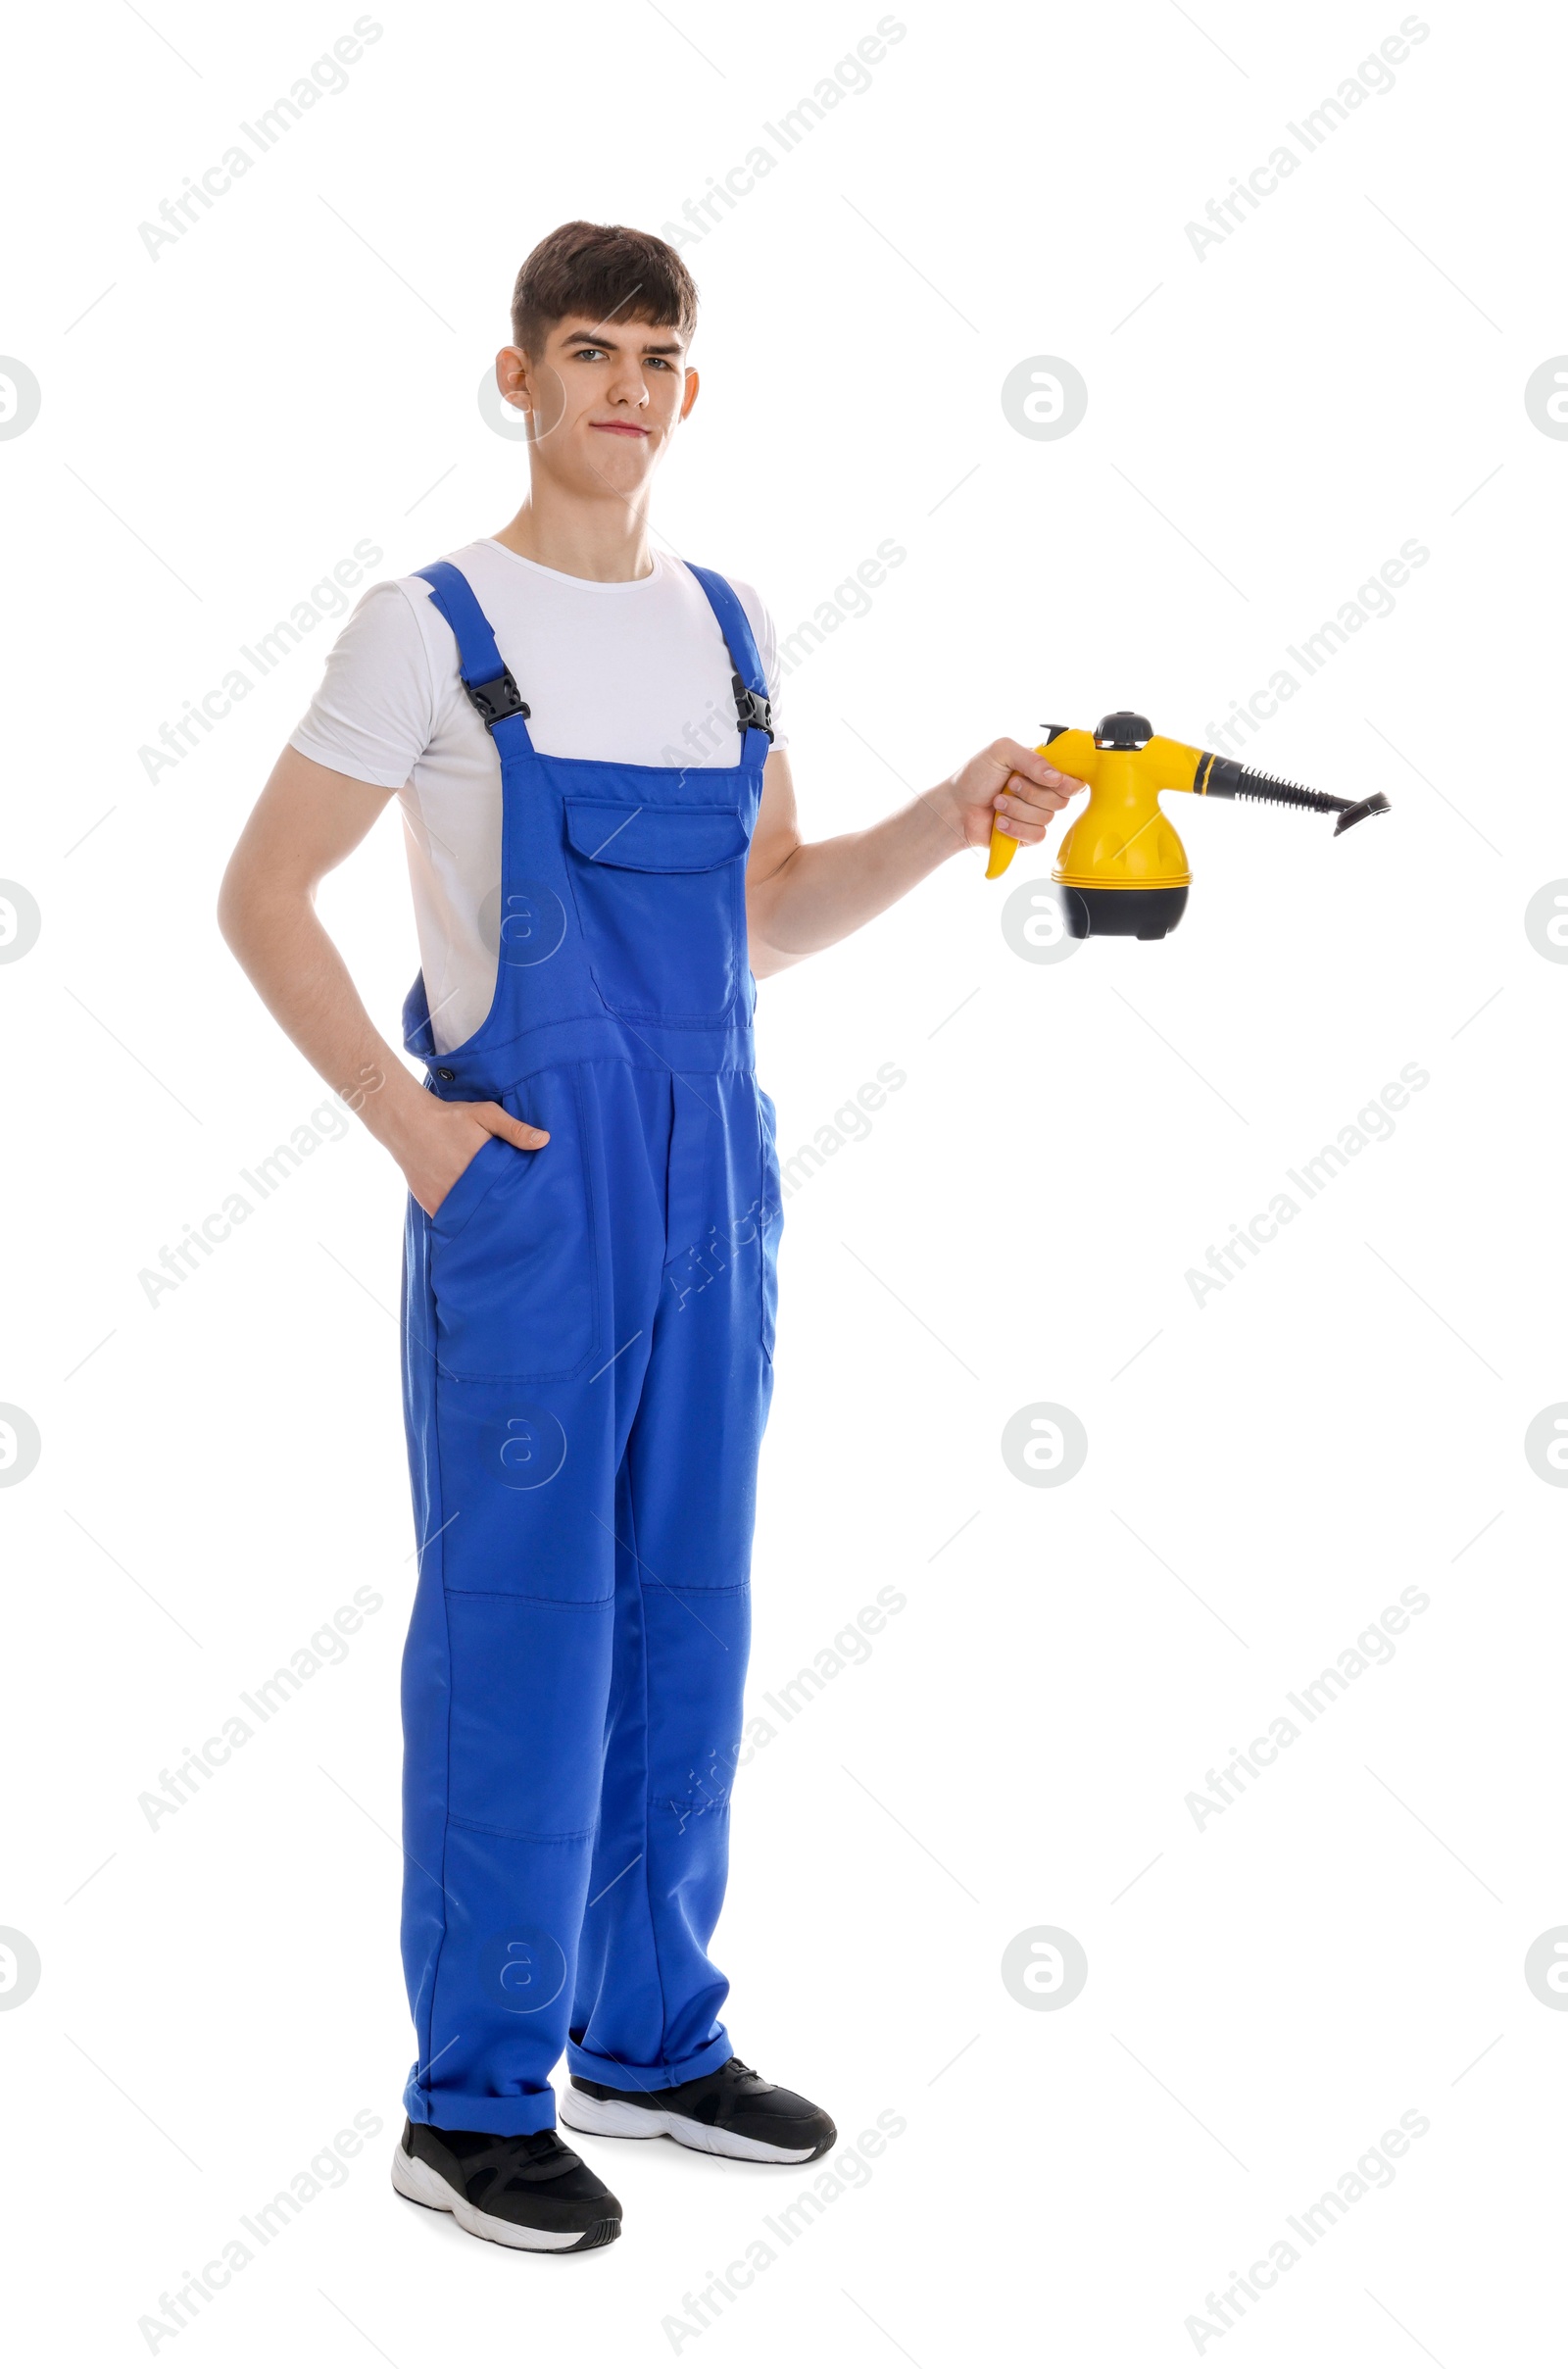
606 271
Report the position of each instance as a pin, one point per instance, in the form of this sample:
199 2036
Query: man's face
603 400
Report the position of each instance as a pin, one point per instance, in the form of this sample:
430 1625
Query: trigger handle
1003 847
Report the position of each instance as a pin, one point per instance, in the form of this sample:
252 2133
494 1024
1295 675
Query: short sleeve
375 715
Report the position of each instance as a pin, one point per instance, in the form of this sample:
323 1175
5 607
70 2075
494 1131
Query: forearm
825 889
307 820
279 942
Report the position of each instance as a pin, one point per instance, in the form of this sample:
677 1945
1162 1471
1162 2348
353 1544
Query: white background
1266 1995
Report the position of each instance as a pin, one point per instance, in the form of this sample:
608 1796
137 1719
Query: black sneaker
530 2192
731 2113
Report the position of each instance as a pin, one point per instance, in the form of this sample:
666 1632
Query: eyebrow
595 337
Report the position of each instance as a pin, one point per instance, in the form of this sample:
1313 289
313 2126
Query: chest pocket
660 896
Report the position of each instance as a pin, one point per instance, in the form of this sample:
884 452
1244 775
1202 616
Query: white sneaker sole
422 2186
609 2118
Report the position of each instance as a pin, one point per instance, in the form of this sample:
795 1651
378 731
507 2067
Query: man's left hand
1012 788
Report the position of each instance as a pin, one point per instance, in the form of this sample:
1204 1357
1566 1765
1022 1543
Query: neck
603 539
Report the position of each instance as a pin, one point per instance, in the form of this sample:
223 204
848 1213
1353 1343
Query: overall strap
486 678
752 707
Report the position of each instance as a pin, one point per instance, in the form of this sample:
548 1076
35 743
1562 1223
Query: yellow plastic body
1122 839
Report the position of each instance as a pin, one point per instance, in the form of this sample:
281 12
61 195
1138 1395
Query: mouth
619 428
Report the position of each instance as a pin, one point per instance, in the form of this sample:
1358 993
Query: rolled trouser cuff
502 2117
615 2075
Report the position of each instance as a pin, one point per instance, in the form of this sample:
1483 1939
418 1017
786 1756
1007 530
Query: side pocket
770 1218
514 1253
466 1194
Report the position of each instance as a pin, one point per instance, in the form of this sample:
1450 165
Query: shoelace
535 2146
540 2144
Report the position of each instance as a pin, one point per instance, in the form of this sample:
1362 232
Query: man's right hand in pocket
446 1136
307 820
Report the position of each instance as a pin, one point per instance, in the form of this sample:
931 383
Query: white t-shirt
635 673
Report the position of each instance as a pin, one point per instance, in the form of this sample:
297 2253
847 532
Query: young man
603 852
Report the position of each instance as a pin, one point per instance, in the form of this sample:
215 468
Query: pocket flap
655 839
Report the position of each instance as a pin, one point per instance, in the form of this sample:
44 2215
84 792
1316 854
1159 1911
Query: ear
690 396
513 377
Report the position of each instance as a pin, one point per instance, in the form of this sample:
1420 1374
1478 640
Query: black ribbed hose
1224 777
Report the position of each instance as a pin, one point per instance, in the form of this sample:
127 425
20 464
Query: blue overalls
588 1334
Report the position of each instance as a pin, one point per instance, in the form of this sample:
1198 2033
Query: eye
588 353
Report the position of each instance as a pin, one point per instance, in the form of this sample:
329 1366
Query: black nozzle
1377 804
1223 777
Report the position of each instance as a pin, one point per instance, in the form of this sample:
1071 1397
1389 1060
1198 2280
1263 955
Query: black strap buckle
753 712
498 699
